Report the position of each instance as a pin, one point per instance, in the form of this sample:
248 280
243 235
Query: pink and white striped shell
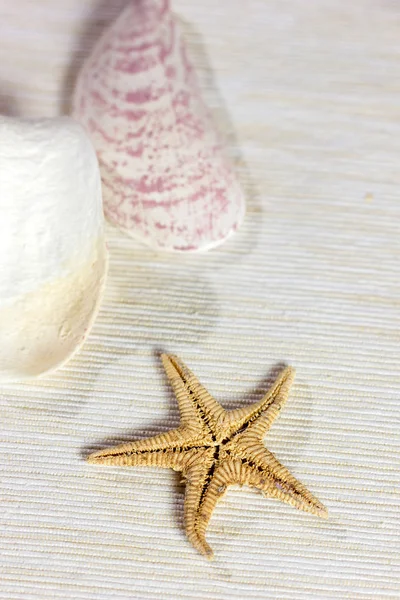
165 178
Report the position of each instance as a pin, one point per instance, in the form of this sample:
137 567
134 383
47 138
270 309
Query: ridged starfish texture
215 448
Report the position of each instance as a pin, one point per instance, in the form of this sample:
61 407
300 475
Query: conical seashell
52 251
165 178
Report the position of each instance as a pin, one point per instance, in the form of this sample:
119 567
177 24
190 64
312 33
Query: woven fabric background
307 93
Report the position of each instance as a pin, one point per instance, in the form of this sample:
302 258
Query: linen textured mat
312 280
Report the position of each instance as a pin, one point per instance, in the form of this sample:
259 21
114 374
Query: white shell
166 179
52 251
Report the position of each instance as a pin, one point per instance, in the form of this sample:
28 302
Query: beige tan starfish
215 448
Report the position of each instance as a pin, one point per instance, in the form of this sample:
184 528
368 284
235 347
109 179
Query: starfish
215 448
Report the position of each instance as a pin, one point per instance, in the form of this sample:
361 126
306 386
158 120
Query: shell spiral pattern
166 180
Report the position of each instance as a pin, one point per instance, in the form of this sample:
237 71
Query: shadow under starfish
215 448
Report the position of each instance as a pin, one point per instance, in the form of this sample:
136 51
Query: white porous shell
53 258
166 180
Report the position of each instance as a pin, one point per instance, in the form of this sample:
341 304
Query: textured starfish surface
215 448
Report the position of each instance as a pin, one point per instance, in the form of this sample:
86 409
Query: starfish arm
198 473
265 411
227 472
196 405
257 467
161 450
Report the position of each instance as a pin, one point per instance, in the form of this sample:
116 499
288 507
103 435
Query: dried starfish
215 448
